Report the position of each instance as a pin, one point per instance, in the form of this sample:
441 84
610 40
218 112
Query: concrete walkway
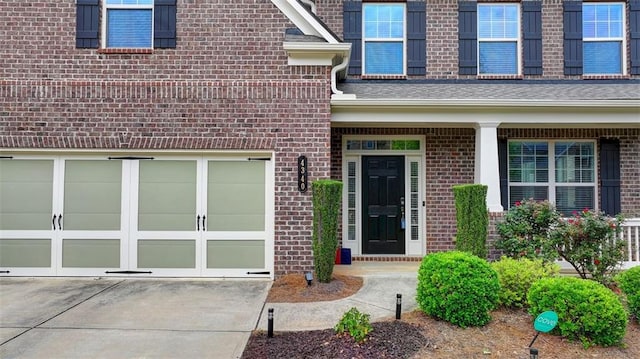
382 281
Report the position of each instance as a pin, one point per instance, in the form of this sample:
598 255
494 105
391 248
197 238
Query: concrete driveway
128 318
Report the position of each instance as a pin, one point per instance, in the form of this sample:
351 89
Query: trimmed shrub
524 232
355 323
629 282
472 218
327 195
457 287
516 277
587 310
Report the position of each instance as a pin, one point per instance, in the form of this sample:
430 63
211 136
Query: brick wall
226 86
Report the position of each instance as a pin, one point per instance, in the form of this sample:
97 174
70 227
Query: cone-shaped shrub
457 287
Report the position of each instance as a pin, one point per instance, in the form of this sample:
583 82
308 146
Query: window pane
602 57
570 199
498 58
574 162
521 193
384 58
129 28
498 21
383 21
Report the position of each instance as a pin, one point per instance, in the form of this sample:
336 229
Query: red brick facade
227 86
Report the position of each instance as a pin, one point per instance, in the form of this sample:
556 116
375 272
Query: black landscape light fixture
533 353
270 323
398 305
309 277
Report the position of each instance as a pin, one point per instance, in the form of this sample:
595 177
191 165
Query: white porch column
486 163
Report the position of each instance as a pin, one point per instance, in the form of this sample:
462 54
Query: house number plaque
302 174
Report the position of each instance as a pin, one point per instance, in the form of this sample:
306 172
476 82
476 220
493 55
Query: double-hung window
498 39
384 38
128 24
603 38
562 172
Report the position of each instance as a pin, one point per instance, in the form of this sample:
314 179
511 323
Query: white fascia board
316 53
467 113
484 103
303 20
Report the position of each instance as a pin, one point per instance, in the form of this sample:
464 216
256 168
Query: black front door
383 204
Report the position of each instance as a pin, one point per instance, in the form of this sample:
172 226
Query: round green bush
629 282
457 287
587 310
516 277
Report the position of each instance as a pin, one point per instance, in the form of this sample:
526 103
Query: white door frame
352 190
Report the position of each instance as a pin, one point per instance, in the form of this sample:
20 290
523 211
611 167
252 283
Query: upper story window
126 24
601 38
129 23
498 39
387 39
604 38
384 39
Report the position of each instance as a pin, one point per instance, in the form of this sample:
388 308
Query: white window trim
103 25
374 39
622 39
552 184
518 40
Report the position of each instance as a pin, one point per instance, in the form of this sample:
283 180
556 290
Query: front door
383 205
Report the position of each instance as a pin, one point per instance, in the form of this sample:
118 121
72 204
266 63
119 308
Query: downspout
334 74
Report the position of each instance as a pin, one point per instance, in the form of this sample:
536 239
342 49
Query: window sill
383 77
606 77
500 77
125 51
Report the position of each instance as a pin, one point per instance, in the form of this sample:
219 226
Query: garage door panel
19 253
167 196
236 196
92 195
91 253
166 253
226 254
26 194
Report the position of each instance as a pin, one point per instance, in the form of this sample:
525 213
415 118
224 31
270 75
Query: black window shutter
352 32
416 38
634 36
467 38
610 176
572 37
87 24
164 24
504 174
532 37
